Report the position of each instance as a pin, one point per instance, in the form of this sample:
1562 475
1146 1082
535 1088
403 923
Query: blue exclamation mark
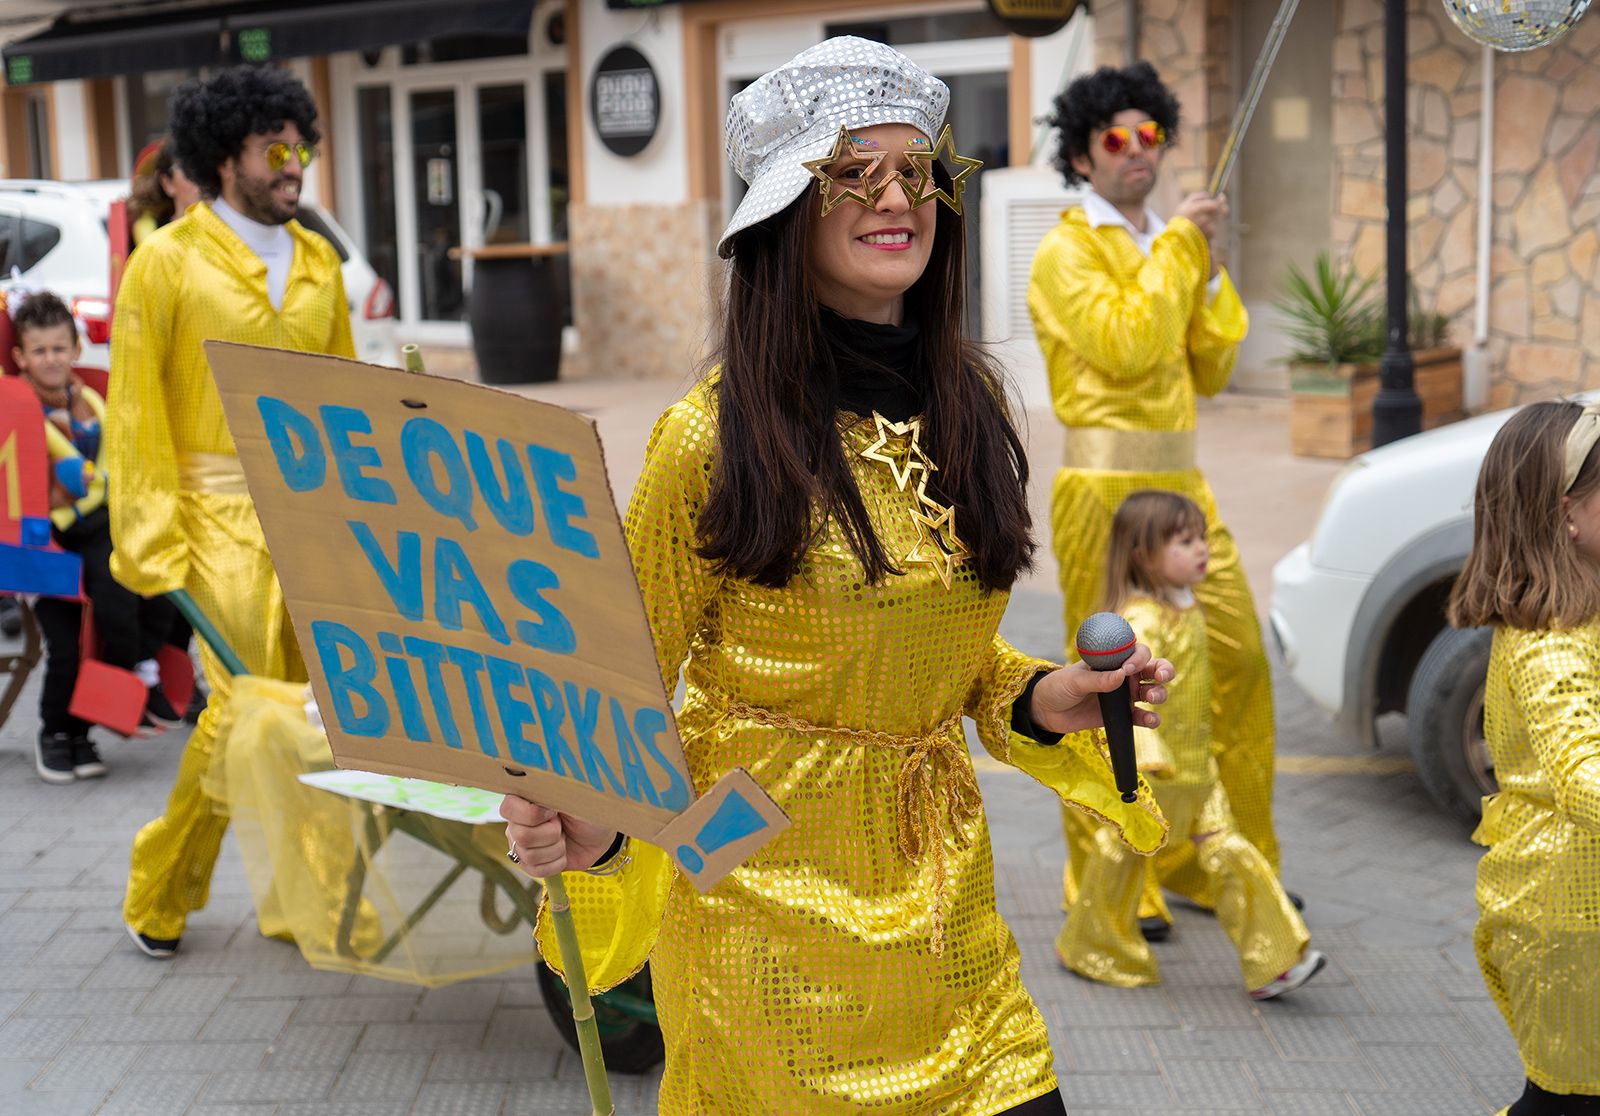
734 820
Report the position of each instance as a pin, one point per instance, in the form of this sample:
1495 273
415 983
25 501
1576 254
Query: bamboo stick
594 1063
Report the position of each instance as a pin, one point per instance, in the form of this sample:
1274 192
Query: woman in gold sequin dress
1534 574
824 533
1158 554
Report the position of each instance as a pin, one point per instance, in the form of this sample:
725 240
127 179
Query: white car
1358 611
54 234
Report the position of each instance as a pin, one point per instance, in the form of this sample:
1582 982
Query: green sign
255 45
19 69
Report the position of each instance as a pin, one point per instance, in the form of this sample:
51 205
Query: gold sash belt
917 814
217 474
1128 451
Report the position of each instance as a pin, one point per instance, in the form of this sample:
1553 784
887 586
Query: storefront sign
455 568
1034 18
635 5
625 101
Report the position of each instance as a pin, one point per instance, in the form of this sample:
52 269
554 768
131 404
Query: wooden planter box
1330 413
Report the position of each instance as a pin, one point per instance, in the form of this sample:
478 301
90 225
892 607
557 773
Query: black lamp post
1397 410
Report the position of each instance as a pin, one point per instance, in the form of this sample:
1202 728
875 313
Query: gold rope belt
218 474
916 790
1128 451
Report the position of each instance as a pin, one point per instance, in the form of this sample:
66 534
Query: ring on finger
511 854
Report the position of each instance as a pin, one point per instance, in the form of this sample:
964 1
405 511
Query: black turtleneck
878 366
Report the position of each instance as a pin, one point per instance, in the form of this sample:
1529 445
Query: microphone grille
1105 640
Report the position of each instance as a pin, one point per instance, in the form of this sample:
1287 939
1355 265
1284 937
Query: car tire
1444 721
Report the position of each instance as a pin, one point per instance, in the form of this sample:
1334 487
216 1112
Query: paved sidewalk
1400 1024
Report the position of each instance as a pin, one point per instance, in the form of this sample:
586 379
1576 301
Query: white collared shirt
272 243
1102 214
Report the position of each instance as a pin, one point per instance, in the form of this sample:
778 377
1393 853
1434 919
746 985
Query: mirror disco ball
1516 24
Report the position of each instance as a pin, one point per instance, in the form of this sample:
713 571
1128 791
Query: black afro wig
1089 103
211 118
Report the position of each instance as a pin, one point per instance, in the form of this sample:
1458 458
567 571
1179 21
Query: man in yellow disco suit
236 268
1135 317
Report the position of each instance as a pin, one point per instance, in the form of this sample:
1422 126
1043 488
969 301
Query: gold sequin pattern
827 974
193 281
1538 932
1101 938
1129 341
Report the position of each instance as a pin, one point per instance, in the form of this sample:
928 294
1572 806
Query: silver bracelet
613 866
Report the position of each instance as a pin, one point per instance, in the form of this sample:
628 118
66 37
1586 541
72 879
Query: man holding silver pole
1137 316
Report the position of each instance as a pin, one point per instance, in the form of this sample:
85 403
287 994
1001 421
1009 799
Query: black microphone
1105 641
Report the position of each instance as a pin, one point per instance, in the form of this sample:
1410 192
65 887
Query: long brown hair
1524 571
781 472
148 197
1147 520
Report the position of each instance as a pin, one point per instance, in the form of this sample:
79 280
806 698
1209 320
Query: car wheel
1444 720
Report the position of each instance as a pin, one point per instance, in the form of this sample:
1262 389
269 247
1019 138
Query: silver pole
1252 95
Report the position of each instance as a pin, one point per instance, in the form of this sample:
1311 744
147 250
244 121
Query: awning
105 41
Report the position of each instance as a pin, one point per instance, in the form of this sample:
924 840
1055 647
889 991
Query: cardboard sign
457 576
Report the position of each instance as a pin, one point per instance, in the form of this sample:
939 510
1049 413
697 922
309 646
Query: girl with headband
1534 575
825 533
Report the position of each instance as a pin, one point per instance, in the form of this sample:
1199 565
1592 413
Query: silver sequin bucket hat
794 114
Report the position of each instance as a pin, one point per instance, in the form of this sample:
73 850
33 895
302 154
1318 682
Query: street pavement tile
1423 1104
1212 1084
340 1108
425 1037
560 1097
53 1104
522 1029
181 995
1307 1036
86 1069
78 900
459 1099
474 1001
37 978
127 969
140 1028
23 927
83 1002
1125 1051
251 1086
492 1065
312 1046
356 1009
10 1002
1411 1028
36 1036
195 1057
1349 1077
276 986
154 1094
1403 994
1226 1005
380 1077
1416 1068
1147 1092
267 1108
247 1020
1312 1104
1213 1042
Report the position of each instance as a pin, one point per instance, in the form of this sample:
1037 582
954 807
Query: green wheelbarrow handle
208 631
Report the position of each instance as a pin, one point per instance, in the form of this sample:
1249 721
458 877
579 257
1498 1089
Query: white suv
1358 611
54 233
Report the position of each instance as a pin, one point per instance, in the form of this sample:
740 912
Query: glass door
436 189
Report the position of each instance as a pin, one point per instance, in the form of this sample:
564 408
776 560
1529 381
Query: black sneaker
197 706
159 948
10 617
158 709
1155 928
52 757
86 763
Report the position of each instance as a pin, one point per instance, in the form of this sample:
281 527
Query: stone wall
1545 301
641 289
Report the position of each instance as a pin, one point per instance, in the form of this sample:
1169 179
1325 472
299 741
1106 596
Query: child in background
1157 554
1534 575
129 628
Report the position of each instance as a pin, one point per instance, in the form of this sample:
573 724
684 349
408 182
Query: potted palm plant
1337 331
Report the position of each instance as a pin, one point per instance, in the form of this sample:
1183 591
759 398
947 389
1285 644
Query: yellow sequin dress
1129 340
181 516
1101 938
857 963
1538 933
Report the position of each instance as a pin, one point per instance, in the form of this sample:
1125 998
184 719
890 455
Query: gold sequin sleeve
1126 330
152 553
1077 768
617 916
1216 329
1555 682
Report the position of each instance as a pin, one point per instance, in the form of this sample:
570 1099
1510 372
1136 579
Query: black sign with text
625 101
1034 18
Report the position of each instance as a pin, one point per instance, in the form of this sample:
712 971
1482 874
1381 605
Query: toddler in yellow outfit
1157 555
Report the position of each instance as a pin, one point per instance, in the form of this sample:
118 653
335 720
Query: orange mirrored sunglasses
1119 138
279 154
